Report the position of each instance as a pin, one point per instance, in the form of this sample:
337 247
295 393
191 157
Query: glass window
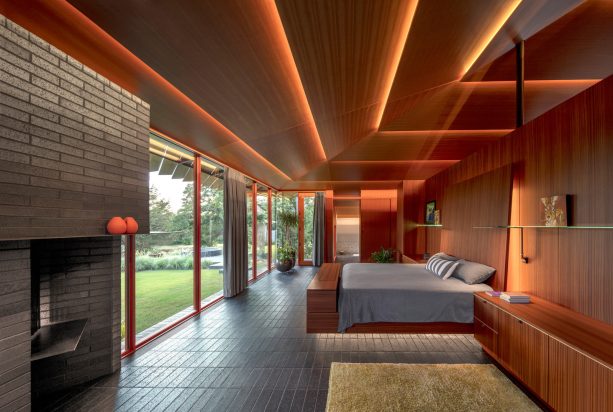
273 228
309 210
262 229
285 205
249 201
164 258
211 231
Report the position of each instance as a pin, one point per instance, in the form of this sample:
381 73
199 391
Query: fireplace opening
75 311
52 338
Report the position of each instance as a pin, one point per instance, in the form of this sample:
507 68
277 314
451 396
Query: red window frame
131 345
301 260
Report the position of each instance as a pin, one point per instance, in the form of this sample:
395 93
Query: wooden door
376 219
523 350
576 382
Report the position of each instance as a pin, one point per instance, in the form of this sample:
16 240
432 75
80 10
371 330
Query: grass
163 293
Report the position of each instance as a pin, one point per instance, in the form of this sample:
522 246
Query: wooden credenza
563 357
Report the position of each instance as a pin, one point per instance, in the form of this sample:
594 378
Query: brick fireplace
73 153
51 282
79 279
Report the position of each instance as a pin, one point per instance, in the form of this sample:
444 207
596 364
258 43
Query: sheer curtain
235 261
319 229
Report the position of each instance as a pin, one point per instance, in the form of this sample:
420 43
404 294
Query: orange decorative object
116 226
131 225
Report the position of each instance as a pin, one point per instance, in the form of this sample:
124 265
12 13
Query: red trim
301 260
260 276
131 293
300 228
254 230
180 321
269 229
208 156
197 235
170 327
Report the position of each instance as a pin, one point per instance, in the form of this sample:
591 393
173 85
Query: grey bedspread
398 292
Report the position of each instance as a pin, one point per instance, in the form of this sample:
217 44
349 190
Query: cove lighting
395 60
494 28
295 79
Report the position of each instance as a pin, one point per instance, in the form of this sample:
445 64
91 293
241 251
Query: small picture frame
430 208
437 217
553 210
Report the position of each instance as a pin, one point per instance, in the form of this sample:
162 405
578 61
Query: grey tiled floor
251 353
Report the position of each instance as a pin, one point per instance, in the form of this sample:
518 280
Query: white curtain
235 259
319 229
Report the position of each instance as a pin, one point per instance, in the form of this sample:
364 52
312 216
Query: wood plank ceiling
341 94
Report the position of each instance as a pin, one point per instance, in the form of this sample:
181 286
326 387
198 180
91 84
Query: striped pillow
442 268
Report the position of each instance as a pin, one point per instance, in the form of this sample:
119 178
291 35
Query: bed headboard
484 200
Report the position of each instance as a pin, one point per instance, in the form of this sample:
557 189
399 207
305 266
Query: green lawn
162 293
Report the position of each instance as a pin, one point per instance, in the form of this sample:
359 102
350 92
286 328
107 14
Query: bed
402 293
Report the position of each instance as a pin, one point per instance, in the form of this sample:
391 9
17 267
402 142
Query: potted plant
286 258
383 255
286 254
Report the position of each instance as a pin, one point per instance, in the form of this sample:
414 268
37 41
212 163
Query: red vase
131 225
116 226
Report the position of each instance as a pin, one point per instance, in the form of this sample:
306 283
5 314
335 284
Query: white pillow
442 268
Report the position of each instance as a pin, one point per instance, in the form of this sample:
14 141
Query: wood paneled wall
484 200
378 221
413 213
567 150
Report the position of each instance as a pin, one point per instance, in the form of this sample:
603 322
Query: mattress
398 292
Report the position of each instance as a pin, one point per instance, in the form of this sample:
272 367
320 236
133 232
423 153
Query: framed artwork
430 207
553 210
437 217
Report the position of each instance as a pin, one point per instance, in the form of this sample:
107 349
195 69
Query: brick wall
14 326
73 146
79 279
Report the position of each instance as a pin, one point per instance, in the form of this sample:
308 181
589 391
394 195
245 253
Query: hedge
144 263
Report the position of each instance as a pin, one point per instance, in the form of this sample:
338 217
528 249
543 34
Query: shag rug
419 387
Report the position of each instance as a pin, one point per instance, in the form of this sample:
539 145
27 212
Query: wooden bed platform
322 310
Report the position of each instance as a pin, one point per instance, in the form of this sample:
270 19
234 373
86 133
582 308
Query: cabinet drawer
486 312
486 336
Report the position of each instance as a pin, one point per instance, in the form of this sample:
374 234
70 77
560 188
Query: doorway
347 224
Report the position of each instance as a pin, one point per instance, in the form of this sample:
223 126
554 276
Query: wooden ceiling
333 94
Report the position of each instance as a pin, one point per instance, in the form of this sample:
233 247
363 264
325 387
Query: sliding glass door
251 228
164 258
211 231
262 229
306 209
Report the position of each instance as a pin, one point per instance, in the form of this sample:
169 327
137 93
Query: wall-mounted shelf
543 227
424 225
57 338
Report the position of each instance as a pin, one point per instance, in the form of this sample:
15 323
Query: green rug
418 387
